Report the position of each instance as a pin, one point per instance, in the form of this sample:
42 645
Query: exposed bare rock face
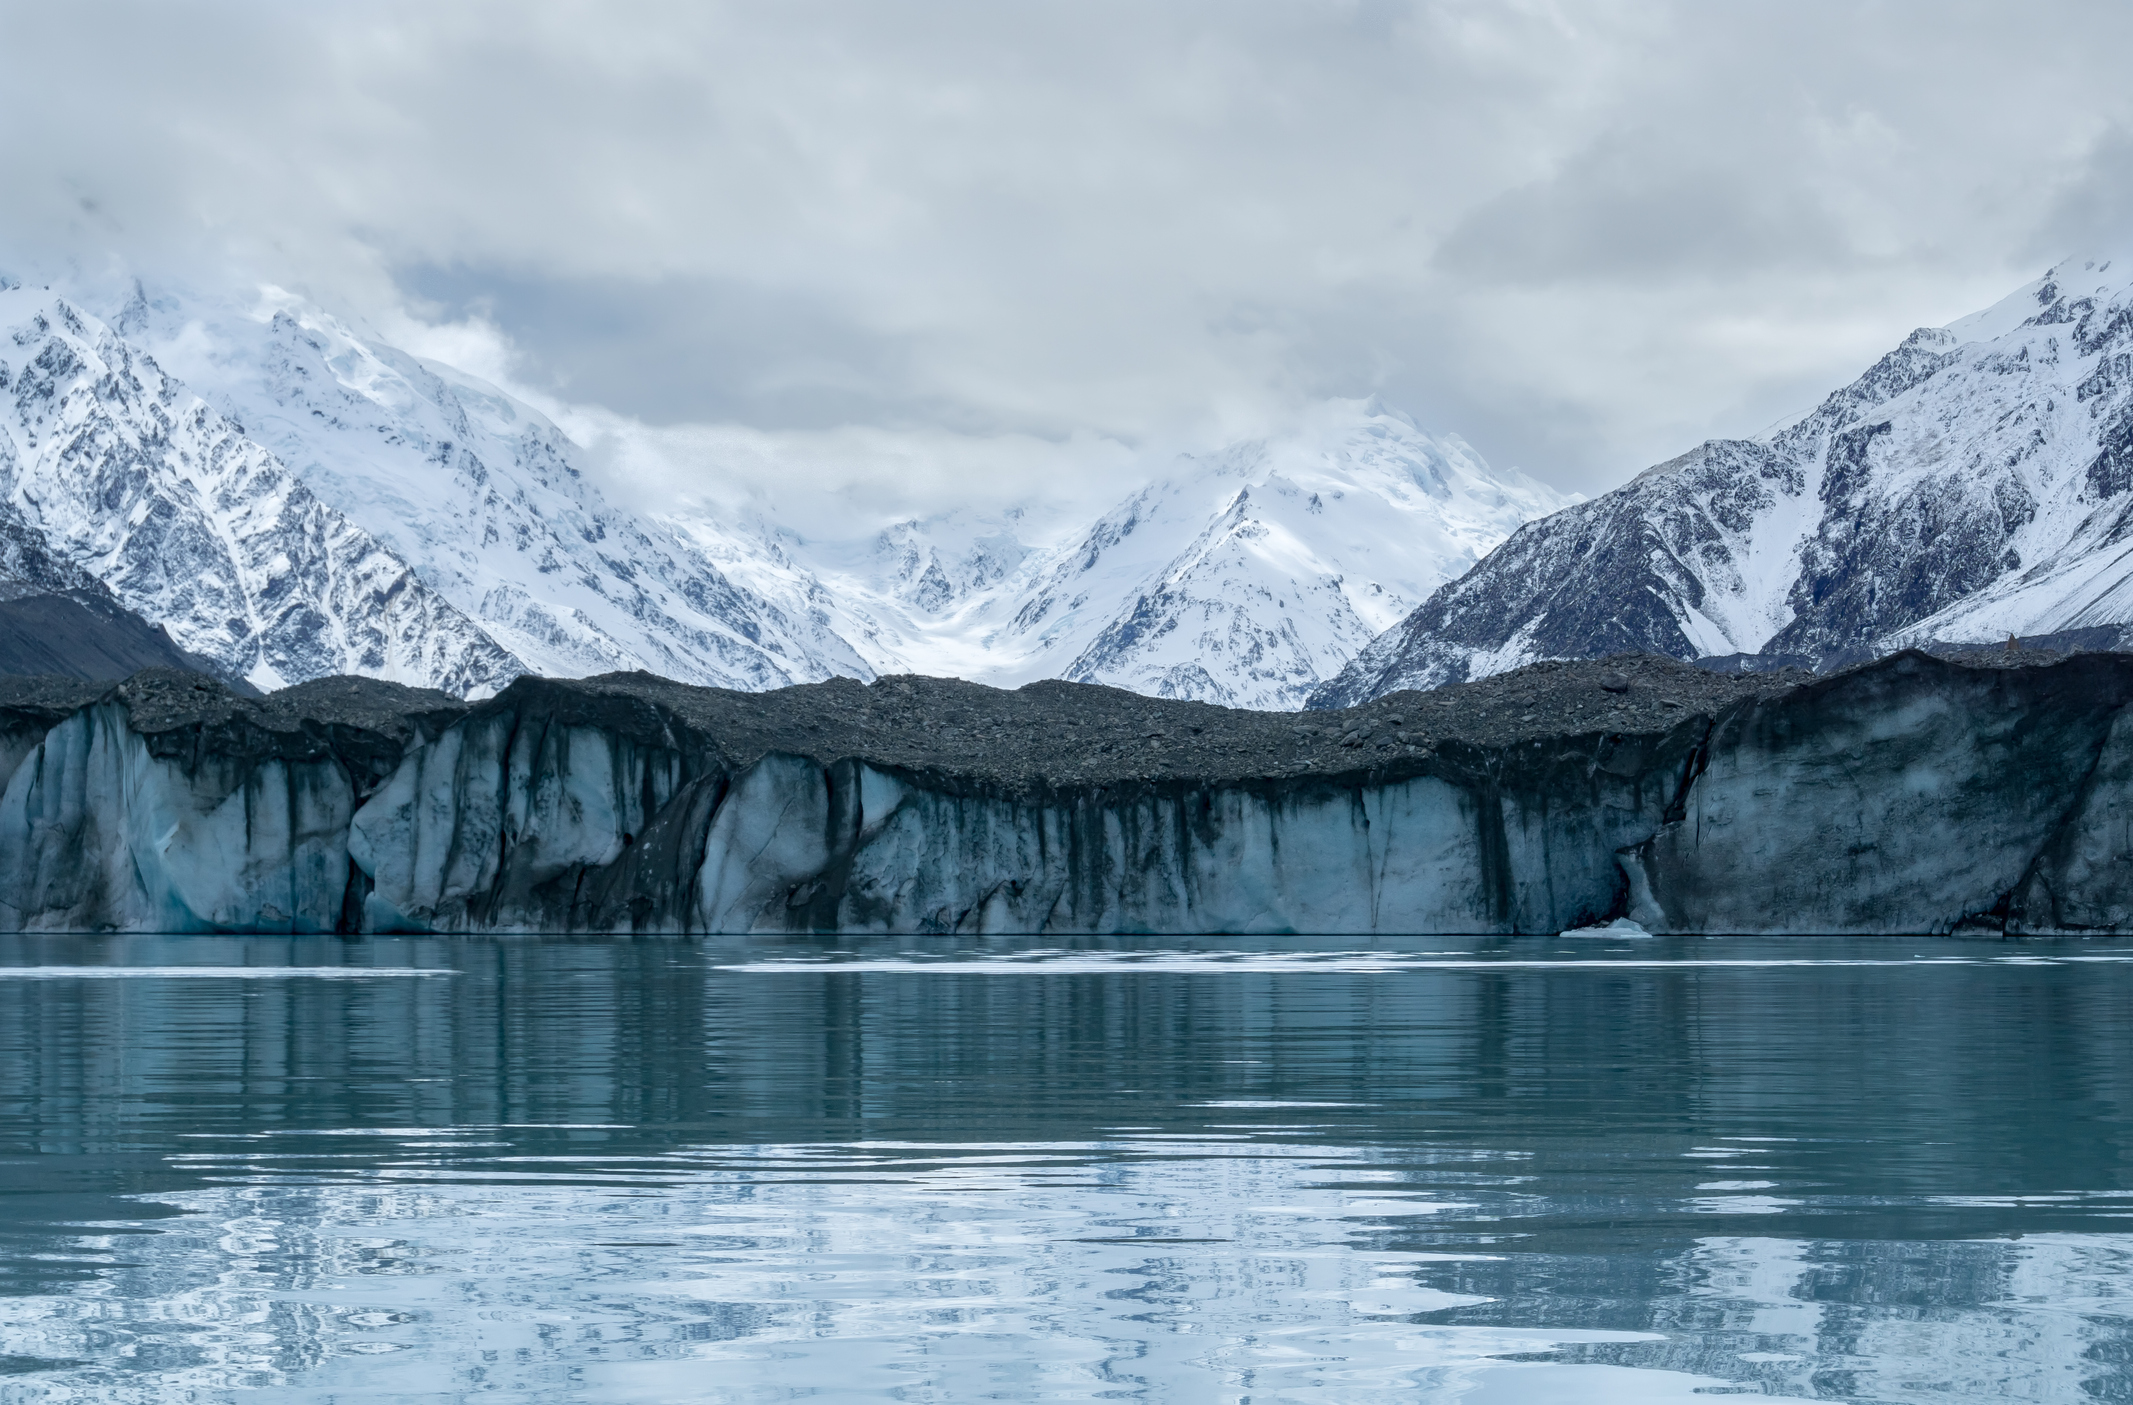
1911 794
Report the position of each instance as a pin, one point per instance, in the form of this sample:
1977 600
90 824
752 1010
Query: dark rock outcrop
56 618
1910 794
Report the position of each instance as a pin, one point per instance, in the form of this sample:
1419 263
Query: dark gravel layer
2024 654
193 718
1074 734
165 700
1047 734
48 694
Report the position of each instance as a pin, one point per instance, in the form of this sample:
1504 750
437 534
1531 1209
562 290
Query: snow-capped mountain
1313 550
1976 482
1244 577
484 497
141 484
293 497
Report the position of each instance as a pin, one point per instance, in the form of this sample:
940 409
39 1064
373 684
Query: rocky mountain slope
139 483
62 636
483 497
1977 481
1244 577
56 618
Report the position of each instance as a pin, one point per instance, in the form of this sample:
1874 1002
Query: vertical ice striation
1916 794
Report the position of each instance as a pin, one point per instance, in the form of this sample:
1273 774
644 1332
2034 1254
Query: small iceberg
1618 929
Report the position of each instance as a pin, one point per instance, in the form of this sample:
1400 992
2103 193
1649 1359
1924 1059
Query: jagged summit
485 499
1976 481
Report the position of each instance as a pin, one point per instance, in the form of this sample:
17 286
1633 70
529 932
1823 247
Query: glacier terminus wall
1914 794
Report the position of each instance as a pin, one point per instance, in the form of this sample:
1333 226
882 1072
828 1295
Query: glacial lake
1497 1170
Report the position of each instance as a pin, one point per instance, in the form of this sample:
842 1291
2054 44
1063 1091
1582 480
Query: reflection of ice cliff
927 1264
646 1177
1915 794
1898 1320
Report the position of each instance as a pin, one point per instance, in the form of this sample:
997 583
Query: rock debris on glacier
170 802
1911 794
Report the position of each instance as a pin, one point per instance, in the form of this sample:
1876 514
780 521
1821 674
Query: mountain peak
1244 575
141 484
1247 574
1971 483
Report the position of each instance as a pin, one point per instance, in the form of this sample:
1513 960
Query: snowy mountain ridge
369 511
1244 577
290 497
484 497
1976 482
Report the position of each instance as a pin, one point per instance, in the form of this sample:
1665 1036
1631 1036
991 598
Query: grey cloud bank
1583 236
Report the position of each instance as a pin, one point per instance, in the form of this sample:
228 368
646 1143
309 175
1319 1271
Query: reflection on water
1507 1171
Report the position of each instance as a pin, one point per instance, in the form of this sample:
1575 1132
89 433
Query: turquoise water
1512 1170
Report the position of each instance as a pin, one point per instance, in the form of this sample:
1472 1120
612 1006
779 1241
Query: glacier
169 803
1916 793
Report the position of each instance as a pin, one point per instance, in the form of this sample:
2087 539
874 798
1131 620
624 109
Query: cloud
1582 235
1616 214
2093 213
689 349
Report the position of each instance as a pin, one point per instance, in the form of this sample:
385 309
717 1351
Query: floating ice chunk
1616 930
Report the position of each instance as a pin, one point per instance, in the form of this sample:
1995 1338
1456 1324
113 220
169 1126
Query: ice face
1916 794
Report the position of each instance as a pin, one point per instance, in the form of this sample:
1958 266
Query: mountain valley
1244 577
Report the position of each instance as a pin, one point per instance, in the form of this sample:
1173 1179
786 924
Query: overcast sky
947 247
